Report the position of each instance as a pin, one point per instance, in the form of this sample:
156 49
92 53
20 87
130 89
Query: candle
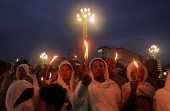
137 69
50 64
17 60
116 59
41 78
75 64
86 55
50 75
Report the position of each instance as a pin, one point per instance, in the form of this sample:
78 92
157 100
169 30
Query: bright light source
79 19
78 15
85 15
81 10
89 14
93 15
88 9
91 19
85 10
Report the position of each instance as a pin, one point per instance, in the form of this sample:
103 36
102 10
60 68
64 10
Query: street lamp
84 16
43 56
153 50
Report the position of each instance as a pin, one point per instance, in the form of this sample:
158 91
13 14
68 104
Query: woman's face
65 72
21 73
141 104
140 74
98 69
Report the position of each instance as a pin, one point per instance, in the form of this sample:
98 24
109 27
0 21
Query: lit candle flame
116 56
50 75
53 59
136 64
42 78
17 60
75 56
86 53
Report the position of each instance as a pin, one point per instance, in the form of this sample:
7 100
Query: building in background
125 57
75 51
145 57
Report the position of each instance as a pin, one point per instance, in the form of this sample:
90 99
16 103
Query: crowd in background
100 87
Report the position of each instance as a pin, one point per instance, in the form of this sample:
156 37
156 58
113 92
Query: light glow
79 19
91 19
43 55
86 53
78 15
116 56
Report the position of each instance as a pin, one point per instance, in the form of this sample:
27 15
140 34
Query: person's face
41 105
152 68
55 75
140 74
65 72
141 104
110 64
8 66
38 69
80 72
98 69
120 73
29 79
21 73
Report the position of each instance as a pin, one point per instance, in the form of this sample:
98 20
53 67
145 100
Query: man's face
41 105
138 76
21 73
152 68
65 72
98 69
110 64
80 72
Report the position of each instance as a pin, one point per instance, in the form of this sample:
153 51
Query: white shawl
26 68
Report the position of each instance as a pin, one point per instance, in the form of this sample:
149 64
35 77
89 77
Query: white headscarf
26 68
34 78
11 70
61 81
14 92
105 96
162 96
143 88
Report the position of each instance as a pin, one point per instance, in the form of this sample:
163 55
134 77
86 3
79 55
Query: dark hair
68 65
96 60
3 64
143 97
24 61
151 60
26 94
38 67
53 94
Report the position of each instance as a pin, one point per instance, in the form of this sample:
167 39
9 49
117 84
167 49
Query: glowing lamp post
153 50
84 16
43 56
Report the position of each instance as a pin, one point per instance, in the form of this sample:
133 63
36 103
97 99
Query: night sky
30 27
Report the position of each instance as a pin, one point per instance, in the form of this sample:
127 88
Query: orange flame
136 64
50 75
42 78
53 59
86 53
75 56
17 60
116 56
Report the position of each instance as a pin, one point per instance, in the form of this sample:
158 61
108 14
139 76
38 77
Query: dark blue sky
30 27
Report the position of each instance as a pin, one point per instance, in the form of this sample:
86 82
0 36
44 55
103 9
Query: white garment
14 92
143 88
162 96
11 70
105 96
34 78
26 68
25 106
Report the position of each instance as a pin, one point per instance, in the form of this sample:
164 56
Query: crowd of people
98 87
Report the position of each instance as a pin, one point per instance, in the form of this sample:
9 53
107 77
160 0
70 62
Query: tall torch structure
153 50
84 16
43 56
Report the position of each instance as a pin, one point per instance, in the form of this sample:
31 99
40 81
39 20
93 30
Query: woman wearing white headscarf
18 97
136 85
96 91
33 80
66 80
162 96
22 70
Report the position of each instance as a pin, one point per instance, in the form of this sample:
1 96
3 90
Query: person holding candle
54 77
66 80
119 80
96 91
136 85
80 72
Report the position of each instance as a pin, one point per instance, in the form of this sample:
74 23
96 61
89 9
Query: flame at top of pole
135 63
53 59
116 56
75 56
86 53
